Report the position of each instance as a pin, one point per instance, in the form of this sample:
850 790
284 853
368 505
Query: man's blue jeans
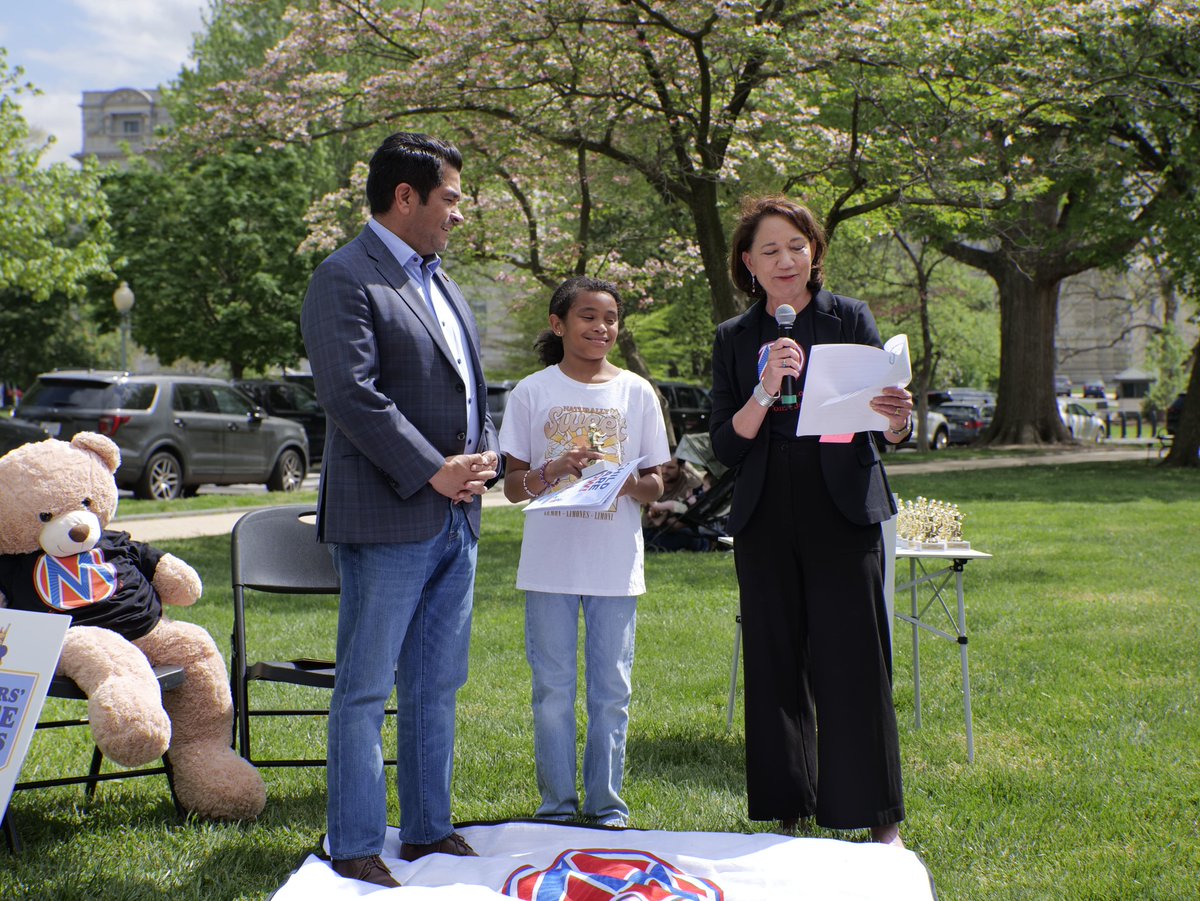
551 629
404 618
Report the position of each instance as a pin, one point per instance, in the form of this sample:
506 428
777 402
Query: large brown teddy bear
55 500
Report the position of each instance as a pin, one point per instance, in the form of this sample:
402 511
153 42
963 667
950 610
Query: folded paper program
842 379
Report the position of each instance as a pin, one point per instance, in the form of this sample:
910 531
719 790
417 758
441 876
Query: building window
131 127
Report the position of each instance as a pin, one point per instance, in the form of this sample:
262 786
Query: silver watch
904 431
761 397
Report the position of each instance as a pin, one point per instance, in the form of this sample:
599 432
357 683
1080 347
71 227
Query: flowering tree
568 103
1029 140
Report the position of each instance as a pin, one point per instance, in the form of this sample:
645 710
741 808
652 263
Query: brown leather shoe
453 844
365 869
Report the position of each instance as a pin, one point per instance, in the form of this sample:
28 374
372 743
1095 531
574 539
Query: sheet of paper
842 379
595 493
29 647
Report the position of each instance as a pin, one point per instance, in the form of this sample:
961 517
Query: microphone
785 316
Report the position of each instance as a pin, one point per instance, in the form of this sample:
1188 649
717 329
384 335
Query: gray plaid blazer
392 396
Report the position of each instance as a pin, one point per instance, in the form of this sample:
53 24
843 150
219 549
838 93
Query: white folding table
937 567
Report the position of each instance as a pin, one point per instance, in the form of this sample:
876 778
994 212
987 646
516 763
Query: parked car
689 406
977 396
938 429
1095 388
1174 412
291 400
497 399
15 432
175 432
1082 423
967 421
1062 386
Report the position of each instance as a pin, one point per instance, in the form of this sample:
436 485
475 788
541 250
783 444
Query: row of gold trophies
926 524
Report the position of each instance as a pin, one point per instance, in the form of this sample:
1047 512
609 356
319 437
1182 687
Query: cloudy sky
67 47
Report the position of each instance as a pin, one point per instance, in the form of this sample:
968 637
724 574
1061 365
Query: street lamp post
123 301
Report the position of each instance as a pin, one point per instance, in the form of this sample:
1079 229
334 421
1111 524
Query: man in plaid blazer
409 450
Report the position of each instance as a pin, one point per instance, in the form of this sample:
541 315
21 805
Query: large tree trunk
1185 446
1026 409
714 249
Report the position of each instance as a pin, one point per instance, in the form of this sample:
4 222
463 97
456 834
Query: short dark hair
753 211
548 345
408 158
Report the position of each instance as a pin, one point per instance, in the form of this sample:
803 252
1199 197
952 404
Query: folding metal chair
169 677
275 550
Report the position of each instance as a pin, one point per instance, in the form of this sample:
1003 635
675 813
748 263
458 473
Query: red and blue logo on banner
578 875
66 583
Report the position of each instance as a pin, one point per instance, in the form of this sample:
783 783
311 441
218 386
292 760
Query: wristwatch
761 397
904 431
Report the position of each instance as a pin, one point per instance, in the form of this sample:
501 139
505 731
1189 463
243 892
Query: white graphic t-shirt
583 552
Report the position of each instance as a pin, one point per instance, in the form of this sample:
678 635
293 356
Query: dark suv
175 432
690 407
292 400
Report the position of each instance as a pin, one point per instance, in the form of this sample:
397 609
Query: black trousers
820 726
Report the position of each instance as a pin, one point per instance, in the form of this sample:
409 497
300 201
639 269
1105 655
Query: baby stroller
706 517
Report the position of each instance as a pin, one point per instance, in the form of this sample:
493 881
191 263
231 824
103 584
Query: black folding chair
169 677
275 551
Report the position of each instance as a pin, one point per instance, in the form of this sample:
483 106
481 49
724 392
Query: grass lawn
1083 633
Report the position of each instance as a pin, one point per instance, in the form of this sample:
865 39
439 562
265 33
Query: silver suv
175 432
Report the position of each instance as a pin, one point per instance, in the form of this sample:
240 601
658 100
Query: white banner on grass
556 862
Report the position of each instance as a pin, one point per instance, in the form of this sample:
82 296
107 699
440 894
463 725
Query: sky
67 47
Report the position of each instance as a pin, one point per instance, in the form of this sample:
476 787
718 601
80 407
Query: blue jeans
404 619
551 629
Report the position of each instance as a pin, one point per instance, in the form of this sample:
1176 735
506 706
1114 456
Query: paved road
220 522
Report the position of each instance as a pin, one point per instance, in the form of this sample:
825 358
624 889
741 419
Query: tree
58 332
1040 144
1028 140
52 219
655 91
210 246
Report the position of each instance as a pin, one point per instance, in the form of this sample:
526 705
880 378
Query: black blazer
853 472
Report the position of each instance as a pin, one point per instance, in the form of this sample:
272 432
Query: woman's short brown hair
753 211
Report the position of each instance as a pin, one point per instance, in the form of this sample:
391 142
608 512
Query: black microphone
785 316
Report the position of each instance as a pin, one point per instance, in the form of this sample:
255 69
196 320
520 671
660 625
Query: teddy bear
57 556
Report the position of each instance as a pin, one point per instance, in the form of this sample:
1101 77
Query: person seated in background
661 528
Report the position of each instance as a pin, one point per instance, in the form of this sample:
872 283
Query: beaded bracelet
525 483
542 476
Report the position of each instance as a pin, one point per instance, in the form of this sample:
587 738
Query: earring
753 284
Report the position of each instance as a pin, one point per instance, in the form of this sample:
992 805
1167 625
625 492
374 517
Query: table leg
737 646
916 631
962 647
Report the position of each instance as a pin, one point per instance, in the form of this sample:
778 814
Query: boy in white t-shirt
580 409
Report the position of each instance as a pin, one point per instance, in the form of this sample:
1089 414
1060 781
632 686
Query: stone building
1107 322
120 123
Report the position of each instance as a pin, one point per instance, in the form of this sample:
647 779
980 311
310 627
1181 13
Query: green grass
129 506
1084 675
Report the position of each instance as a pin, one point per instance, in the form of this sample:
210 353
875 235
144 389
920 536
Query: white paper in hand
594 493
842 379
